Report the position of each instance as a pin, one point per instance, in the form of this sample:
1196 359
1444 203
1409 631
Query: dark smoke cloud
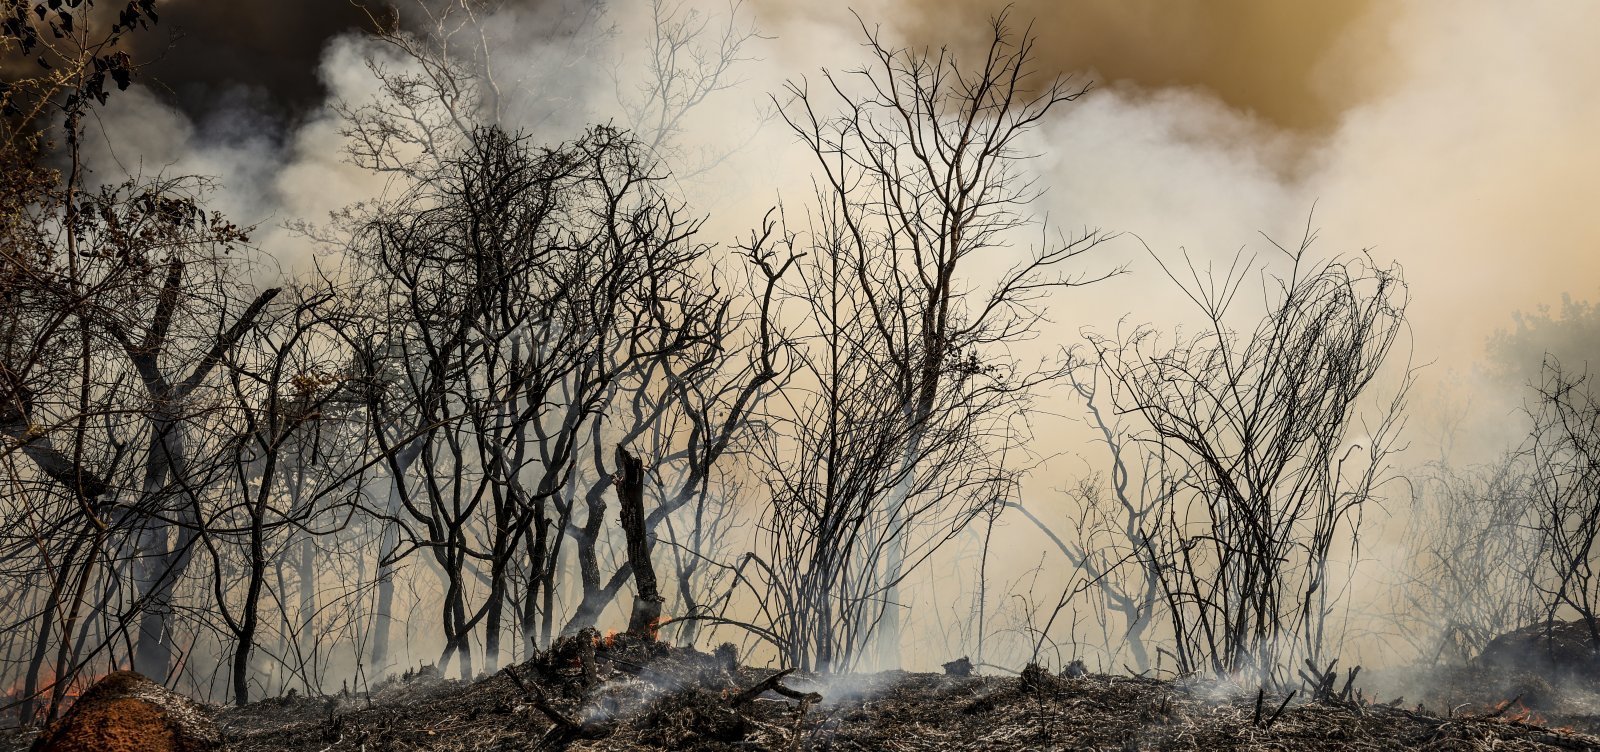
260 54
1261 56
262 57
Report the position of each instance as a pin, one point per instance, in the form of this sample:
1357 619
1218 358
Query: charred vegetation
526 437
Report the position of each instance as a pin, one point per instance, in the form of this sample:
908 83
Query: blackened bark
630 496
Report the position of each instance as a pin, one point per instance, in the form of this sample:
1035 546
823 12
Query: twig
1349 684
795 694
995 667
1266 722
1279 711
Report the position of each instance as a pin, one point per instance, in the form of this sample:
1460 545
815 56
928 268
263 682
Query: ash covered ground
586 694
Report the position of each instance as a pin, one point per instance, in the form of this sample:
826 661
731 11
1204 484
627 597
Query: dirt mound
1565 648
125 712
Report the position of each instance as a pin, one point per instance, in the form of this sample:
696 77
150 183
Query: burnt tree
646 615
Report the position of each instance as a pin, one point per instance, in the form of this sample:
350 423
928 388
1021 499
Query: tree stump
646 616
959 667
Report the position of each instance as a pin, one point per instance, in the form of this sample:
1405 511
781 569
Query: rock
1554 647
958 667
125 712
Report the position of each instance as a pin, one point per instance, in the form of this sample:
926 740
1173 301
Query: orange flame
652 630
17 692
1514 711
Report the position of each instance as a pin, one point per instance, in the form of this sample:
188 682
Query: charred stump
959 667
646 616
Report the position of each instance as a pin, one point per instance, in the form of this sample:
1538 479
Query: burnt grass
640 695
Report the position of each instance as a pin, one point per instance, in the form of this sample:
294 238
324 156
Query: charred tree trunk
537 545
152 654
388 544
586 540
630 495
250 619
504 546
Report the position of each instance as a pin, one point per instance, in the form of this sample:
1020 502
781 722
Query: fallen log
773 684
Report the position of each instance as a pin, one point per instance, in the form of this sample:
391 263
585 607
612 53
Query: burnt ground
648 696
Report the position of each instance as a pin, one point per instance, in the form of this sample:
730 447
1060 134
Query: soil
125 712
640 695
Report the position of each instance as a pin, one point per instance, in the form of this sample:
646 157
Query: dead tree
1273 471
525 289
108 394
1475 560
646 616
58 68
430 110
687 61
692 412
1564 458
1109 518
286 387
919 168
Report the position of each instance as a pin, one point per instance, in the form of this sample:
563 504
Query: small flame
652 630
1514 711
17 692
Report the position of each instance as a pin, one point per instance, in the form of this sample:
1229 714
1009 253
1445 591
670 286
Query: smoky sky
1455 138
259 56
1263 57
1446 135
1259 56
264 53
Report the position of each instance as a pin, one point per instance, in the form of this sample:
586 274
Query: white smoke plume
1456 138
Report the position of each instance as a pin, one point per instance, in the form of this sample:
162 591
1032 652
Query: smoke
265 173
1448 136
268 50
1254 56
244 94
1453 137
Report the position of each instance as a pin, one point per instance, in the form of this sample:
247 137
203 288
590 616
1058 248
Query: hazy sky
1456 138
1256 55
